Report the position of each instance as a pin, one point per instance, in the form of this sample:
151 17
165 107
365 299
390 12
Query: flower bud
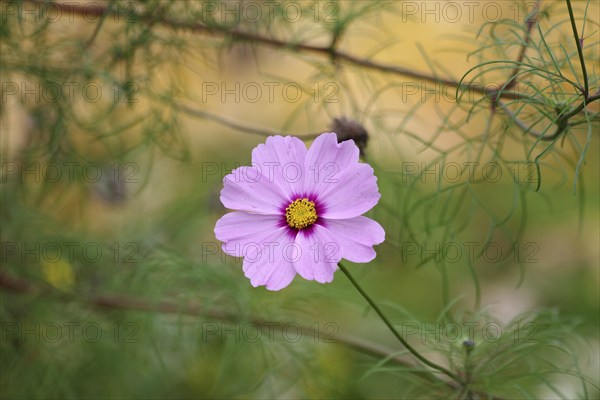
346 129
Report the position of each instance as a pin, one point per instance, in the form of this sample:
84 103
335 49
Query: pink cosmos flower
299 211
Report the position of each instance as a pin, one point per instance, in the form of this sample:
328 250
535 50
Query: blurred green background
114 286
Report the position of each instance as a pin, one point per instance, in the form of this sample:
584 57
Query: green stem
579 50
398 336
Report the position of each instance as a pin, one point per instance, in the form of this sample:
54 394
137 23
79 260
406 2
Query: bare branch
327 51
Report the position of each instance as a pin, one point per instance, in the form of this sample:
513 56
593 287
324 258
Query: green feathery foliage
120 118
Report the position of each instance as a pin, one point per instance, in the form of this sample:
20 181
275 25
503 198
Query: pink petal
240 230
357 237
282 160
325 160
319 254
248 189
354 194
268 263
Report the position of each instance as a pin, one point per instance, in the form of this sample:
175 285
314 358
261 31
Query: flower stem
398 336
579 50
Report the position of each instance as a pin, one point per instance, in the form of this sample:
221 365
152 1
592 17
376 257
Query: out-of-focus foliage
119 120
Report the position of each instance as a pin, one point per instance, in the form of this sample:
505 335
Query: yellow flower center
301 214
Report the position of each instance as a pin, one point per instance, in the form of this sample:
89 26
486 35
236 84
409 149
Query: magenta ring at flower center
319 209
